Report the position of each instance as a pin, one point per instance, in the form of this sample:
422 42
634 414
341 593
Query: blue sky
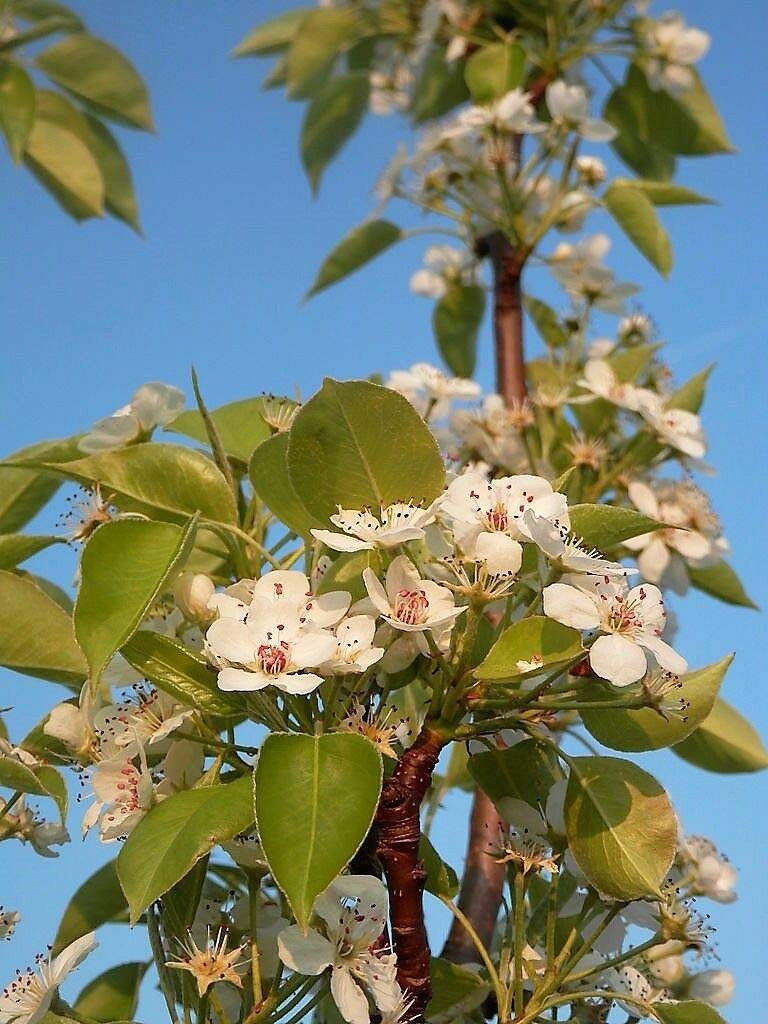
233 238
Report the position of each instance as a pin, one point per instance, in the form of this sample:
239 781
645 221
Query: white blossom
569 107
124 793
713 875
631 623
568 551
677 428
192 592
429 390
355 651
715 987
691 537
362 530
350 916
488 517
601 381
153 405
628 979
26 999
411 604
24 824
673 47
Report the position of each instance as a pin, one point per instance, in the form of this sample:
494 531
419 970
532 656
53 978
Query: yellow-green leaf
725 742
17 107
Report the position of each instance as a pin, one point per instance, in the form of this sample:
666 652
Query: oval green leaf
645 729
175 834
18 547
720 581
634 212
357 248
492 71
315 799
621 827
98 900
333 115
605 526
534 638
100 75
322 34
125 567
112 995
687 1012
268 472
358 444
164 480
17 107
525 771
456 321
725 742
36 634
273 35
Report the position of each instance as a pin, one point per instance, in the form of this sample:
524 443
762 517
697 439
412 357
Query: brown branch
483 879
398 831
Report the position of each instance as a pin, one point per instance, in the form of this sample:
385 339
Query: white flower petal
308 954
617 659
571 606
340 541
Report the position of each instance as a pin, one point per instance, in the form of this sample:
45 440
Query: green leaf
268 472
525 771
119 195
67 168
99 75
164 480
665 193
441 879
630 363
273 35
645 729
98 900
534 637
315 798
357 248
691 395
332 117
622 830
17 107
634 212
318 40
687 1012
36 635
126 566
687 123
182 673
346 572
626 110
18 547
492 71
44 10
23 492
455 991
241 426
720 581
175 834
357 444
725 742
440 87
113 995
456 321
546 322
42 781
605 526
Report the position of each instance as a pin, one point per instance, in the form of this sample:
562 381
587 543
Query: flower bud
192 592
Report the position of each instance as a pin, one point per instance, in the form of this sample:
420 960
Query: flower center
497 518
411 607
623 617
273 659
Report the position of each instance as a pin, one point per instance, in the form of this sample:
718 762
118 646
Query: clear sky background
233 238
